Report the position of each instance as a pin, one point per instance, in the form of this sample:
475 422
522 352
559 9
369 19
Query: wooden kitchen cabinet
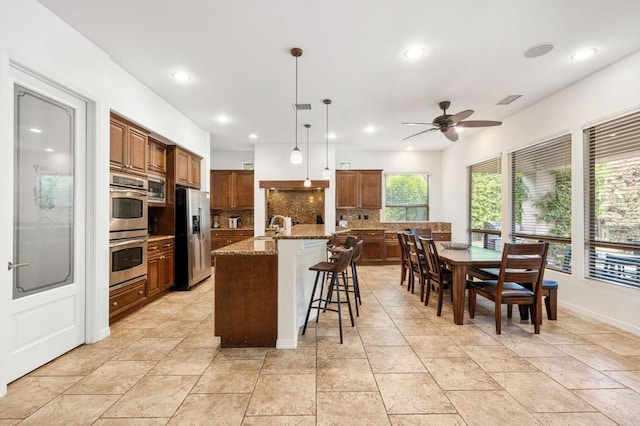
373 245
124 300
160 273
156 157
128 147
232 189
224 237
392 250
358 189
187 169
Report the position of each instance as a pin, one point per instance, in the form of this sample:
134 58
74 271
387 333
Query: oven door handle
125 191
127 242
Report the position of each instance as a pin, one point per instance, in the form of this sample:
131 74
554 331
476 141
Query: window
541 198
613 193
406 197
485 204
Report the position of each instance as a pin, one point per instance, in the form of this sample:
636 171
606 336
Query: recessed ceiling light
414 52
181 76
49 150
583 54
253 136
332 135
409 148
538 50
35 130
370 129
223 119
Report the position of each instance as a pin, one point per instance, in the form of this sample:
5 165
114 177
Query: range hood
293 184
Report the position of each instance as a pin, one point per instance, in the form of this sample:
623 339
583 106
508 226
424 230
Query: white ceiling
237 53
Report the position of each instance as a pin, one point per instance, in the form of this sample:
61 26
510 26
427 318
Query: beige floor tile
9 422
113 377
232 376
479 408
194 312
330 347
459 374
284 394
417 327
173 328
345 374
208 409
427 420
26 395
153 396
200 338
620 405
530 346
434 346
132 421
279 421
573 419
394 359
120 338
71 410
573 374
412 394
79 362
539 394
148 349
403 312
600 358
615 342
497 358
352 408
374 319
387 336
630 379
185 362
242 353
555 335
581 326
286 361
468 335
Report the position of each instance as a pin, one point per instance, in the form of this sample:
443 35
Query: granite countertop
249 247
232 229
154 238
300 232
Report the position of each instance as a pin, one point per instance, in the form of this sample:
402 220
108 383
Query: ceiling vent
509 99
301 107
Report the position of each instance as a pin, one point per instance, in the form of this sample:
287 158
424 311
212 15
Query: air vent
509 99
301 107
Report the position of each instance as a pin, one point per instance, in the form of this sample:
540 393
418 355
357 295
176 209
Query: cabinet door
137 151
221 189
370 189
347 189
183 160
166 270
118 137
153 276
243 190
194 172
157 157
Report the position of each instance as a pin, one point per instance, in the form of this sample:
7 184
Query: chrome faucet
273 219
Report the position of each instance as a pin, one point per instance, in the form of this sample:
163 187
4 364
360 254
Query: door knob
11 265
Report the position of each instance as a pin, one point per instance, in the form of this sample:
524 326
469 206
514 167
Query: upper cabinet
358 189
128 147
187 169
156 157
231 189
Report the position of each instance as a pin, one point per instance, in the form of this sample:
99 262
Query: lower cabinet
373 246
224 237
160 267
127 299
392 251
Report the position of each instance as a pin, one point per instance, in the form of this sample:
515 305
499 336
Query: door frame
96 270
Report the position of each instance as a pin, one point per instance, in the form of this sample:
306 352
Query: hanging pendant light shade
307 181
326 173
296 155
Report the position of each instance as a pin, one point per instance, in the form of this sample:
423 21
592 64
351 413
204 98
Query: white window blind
541 197
613 194
485 203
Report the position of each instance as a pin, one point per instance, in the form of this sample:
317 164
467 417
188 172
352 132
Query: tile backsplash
303 206
246 216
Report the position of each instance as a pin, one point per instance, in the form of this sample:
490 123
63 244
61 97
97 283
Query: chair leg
472 302
440 297
524 312
509 310
551 303
334 283
498 317
427 291
403 272
346 294
537 316
313 293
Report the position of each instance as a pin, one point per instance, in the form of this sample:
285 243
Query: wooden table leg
459 273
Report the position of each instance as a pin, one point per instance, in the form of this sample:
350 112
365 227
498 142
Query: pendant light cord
295 106
327 103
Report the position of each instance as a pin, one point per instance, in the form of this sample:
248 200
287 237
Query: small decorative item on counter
456 246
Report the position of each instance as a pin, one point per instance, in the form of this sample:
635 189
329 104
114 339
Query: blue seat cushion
549 284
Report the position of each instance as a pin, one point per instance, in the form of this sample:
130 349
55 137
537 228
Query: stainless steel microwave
157 190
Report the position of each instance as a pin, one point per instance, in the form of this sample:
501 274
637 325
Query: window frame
485 234
424 175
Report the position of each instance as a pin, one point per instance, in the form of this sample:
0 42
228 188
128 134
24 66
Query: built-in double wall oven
127 229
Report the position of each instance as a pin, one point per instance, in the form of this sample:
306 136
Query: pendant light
327 173
307 181
296 155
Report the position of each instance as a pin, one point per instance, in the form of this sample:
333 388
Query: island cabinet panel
246 300
359 189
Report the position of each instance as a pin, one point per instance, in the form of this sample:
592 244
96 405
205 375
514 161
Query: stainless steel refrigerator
193 238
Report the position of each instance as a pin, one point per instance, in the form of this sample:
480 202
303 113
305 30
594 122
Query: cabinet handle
167 245
140 292
115 303
154 248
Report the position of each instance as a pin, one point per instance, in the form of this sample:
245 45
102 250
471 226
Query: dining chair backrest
402 240
421 232
411 247
432 260
523 264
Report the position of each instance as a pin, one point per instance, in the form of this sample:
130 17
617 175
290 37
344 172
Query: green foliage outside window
407 197
486 199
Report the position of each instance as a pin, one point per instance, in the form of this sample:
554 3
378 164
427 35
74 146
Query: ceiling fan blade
460 116
451 134
416 124
478 123
419 133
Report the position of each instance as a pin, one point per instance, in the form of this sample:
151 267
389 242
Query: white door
45 316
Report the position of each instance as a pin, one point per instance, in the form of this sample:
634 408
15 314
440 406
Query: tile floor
400 365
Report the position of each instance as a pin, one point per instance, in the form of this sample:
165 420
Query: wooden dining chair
415 268
522 264
436 276
405 265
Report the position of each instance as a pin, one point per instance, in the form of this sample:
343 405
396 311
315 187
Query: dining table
459 261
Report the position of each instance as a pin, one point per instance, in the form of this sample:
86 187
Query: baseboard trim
603 318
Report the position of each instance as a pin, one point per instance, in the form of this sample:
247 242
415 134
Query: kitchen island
263 286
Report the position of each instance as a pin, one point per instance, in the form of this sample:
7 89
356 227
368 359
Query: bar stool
355 284
335 269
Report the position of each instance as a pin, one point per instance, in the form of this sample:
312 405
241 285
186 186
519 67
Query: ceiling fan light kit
447 123
296 155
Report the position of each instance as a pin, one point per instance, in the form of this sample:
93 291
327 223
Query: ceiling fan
447 123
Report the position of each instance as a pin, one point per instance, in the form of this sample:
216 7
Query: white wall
232 160
612 91
31 35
